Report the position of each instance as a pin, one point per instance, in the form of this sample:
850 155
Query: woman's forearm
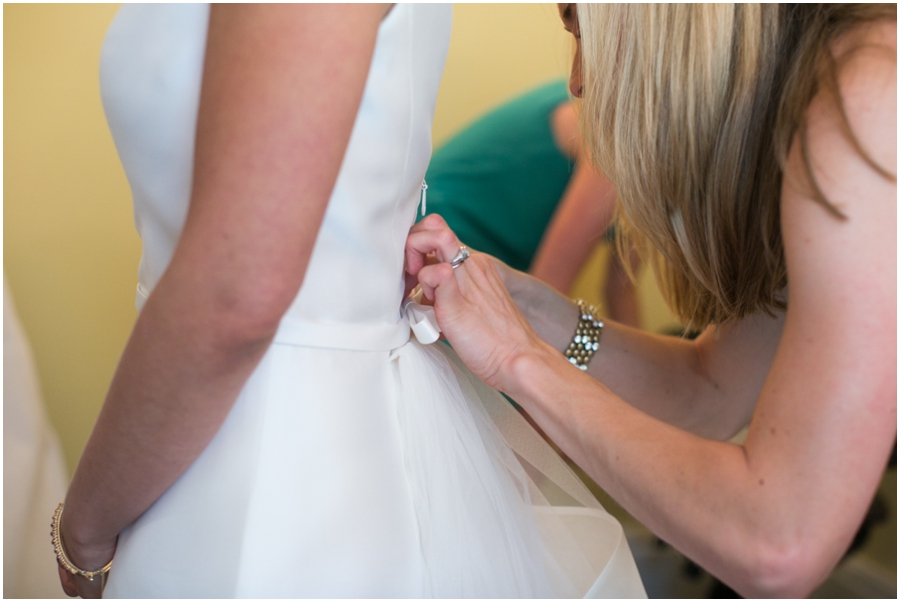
179 376
552 315
665 377
702 496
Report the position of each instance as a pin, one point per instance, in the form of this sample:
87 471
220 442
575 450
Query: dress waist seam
363 336
366 336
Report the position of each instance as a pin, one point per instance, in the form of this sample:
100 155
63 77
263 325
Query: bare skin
583 214
263 174
817 384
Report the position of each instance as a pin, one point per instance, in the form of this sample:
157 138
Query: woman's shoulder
849 164
880 33
865 61
865 58
864 92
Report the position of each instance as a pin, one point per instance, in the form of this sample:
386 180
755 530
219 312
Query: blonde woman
754 151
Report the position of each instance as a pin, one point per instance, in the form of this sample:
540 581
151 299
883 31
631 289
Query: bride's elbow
248 315
234 308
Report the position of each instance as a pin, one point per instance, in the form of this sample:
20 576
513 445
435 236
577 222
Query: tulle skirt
360 474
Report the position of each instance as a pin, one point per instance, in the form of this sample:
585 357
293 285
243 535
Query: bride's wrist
90 558
87 552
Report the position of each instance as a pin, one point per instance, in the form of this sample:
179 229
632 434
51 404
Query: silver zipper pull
422 197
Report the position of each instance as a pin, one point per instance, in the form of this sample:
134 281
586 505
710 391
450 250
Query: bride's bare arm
281 88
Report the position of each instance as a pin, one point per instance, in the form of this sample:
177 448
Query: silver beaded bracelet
587 336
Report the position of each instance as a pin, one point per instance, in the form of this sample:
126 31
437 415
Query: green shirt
498 181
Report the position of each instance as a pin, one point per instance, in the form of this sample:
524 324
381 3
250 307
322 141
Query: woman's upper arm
281 88
826 419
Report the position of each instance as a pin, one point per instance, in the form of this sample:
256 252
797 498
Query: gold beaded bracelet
63 558
587 336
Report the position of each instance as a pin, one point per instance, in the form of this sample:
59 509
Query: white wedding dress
356 461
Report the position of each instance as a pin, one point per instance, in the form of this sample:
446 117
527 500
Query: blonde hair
690 111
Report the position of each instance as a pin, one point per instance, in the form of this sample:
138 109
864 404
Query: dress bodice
151 72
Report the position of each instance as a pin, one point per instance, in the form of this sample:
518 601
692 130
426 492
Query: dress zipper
422 197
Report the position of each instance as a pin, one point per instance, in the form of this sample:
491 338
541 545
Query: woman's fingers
471 303
433 276
430 222
422 241
477 315
442 243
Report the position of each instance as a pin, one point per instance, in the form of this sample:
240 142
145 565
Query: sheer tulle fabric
482 480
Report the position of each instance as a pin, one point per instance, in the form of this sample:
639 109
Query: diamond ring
460 258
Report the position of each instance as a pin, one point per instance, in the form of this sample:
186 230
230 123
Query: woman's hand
472 305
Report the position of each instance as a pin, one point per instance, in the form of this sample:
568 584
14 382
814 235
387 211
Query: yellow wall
497 51
70 248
